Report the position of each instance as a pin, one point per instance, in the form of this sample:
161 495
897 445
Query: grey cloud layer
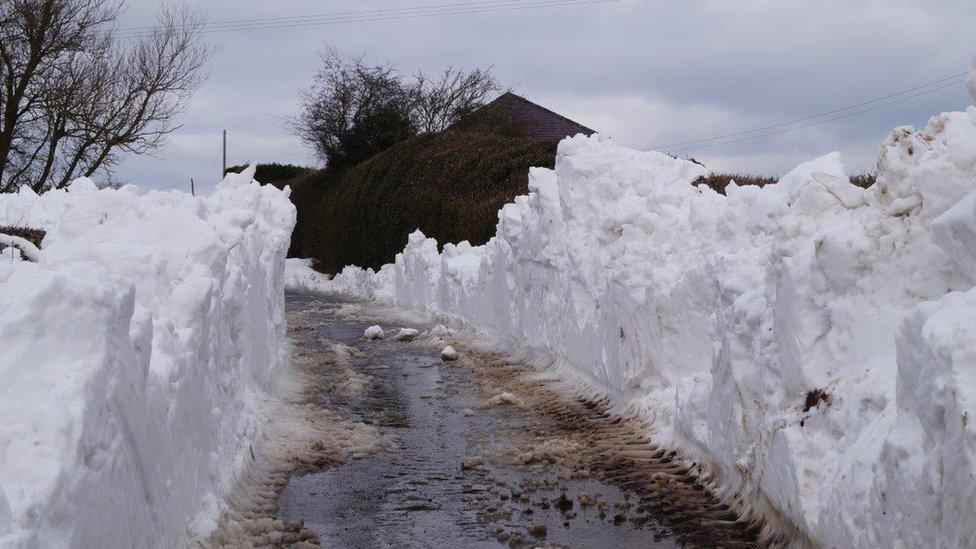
645 71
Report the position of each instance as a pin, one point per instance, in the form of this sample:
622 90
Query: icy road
484 454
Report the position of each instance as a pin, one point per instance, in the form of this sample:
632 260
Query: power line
357 18
818 115
789 126
268 23
387 11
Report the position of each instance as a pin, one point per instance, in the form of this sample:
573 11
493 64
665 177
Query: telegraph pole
192 191
224 172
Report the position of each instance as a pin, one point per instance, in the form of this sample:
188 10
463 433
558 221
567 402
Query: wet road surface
474 465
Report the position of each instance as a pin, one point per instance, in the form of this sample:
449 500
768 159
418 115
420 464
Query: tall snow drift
812 341
131 356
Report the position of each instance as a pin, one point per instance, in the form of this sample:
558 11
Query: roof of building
513 114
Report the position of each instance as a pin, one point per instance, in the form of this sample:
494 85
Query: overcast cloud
646 72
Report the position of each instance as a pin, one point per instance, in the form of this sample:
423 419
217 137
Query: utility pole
192 191
224 172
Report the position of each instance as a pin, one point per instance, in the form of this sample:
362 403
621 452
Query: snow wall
133 356
812 341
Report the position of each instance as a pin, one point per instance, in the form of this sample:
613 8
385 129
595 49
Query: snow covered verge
352 283
811 341
136 355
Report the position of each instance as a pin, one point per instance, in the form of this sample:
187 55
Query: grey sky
647 72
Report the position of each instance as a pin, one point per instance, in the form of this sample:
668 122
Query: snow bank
352 283
812 341
133 354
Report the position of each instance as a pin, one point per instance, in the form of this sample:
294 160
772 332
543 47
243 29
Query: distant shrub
34 236
274 173
448 185
718 181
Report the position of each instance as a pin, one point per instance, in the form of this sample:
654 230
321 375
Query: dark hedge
274 174
448 185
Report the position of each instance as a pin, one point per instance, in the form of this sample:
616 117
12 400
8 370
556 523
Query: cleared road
486 455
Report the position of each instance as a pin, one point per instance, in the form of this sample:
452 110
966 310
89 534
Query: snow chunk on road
374 332
407 334
501 399
134 354
448 353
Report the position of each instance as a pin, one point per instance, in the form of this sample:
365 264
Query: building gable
511 114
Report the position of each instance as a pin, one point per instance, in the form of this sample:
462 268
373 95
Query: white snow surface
374 332
715 316
449 353
407 334
352 283
133 354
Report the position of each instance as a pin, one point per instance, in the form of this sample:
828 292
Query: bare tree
354 110
440 102
74 97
